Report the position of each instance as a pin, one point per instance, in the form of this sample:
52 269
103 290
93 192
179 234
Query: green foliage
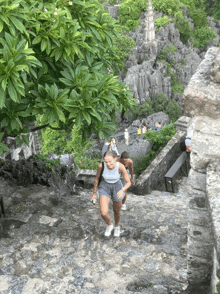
112 2
199 17
160 103
123 48
158 141
164 52
213 8
162 21
141 163
218 290
173 110
61 142
55 58
142 110
202 36
129 13
168 7
184 28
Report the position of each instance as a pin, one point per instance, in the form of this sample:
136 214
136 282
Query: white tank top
111 175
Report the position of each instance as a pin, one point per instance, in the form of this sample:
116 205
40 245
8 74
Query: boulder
215 70
161 117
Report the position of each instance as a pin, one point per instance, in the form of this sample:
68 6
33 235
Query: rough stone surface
215 69
205 142
32 171
48 248
202 95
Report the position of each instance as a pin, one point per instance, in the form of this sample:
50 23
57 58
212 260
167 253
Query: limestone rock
202 96
215 70
161 117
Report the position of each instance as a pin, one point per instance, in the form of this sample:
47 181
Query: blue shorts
110 190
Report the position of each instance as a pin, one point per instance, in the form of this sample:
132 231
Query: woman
111 188
128 164
113 146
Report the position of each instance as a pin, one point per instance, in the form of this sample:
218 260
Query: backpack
100 178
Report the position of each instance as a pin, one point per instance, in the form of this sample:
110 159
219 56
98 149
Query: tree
55 61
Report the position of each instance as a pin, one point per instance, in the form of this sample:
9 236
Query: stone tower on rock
149 26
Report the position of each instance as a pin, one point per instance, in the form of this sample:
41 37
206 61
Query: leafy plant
199 16
162 21
184 28
168 7
218 290
166 51
158 141
129 13
55 58
202 36
173 110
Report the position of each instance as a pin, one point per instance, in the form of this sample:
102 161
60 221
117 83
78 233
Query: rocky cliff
144 72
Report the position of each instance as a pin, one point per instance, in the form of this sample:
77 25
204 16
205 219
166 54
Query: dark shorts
110 190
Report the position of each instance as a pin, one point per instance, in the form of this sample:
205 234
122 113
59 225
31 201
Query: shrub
112 2
203 36
173 110
143 110
184 28
129 13
164 52
160 103
158 141
169 7
199 17
141 163
162 21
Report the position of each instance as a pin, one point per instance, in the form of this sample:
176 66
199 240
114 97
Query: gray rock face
202 95
215 70
32 171
161 117
48 248
145 83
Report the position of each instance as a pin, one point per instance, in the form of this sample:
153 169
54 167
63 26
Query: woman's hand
120 194
93 196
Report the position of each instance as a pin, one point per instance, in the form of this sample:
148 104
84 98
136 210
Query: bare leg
124 199
104 202
117 212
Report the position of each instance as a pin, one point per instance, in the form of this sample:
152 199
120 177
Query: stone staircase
46 248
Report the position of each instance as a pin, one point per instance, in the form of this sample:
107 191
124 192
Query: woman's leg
117 212
104 202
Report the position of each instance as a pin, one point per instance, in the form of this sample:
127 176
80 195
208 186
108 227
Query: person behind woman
111 188
128 164
113 146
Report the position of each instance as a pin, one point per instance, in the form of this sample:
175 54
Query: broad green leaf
37 39
18 140
3 147
25 139
12 92
1 25
87 117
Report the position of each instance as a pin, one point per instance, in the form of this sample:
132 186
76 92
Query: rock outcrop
202 101
202 95
146 76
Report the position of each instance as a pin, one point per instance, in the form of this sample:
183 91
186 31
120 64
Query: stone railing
153 177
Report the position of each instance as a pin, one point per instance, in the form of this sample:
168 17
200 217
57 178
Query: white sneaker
117 232
109 230
123 207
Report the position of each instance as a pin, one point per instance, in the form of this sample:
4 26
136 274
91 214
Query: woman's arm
96 182
122 170
131 171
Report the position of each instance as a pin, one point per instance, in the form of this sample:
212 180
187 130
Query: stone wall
202 101
153 177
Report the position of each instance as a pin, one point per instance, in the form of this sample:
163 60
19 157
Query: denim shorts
110 190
